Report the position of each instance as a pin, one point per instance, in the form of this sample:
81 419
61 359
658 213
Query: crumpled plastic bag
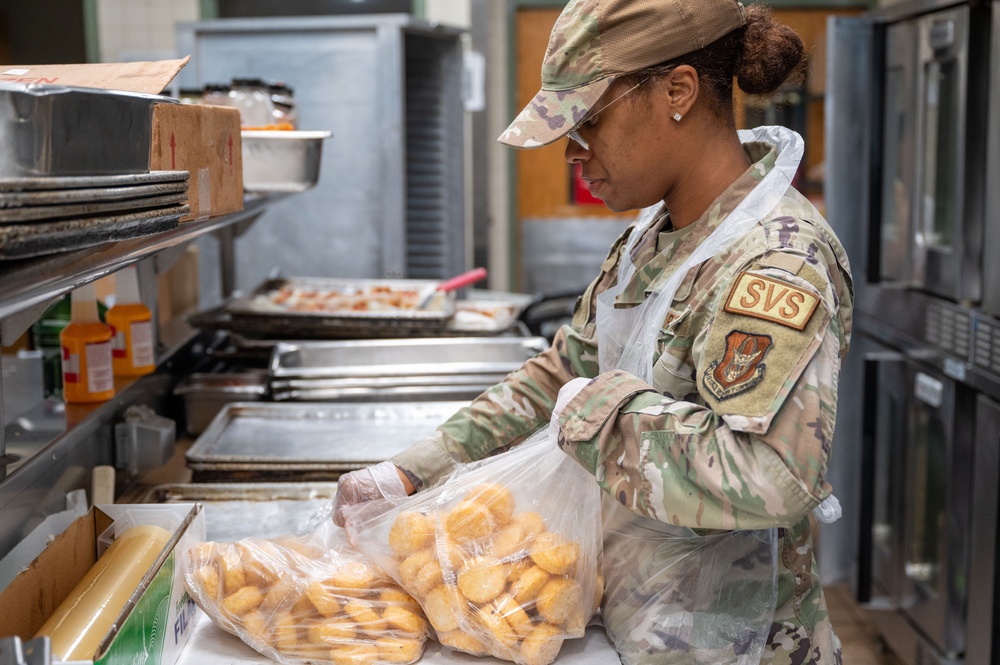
504 556
309 598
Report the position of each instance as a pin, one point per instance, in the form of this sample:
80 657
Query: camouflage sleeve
754 454
504 415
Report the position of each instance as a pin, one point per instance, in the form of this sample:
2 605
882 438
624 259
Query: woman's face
632 157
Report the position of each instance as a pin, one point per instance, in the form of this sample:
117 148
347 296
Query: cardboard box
160 616
203 140
206 142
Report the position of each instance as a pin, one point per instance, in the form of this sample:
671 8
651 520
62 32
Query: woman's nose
576 152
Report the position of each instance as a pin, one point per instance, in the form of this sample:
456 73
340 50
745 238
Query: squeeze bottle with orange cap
86 351
131 328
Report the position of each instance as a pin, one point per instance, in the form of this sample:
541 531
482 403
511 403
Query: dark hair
761 56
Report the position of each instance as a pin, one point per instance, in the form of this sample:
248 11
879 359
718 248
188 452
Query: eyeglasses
575 133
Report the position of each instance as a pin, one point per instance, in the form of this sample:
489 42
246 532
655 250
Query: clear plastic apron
670 594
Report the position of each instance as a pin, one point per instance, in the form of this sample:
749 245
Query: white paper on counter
209 644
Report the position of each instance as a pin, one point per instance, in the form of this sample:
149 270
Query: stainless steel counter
210 644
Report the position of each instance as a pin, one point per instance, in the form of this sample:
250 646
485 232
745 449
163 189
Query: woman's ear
682 89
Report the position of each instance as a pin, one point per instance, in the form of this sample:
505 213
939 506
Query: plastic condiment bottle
131 328
86 352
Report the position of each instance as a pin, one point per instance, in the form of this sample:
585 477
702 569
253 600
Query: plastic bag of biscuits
306 599
503 556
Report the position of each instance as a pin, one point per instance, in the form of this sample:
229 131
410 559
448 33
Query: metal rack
56 448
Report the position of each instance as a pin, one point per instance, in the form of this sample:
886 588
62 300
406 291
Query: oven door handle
869 432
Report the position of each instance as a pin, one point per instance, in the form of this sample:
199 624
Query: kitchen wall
131 30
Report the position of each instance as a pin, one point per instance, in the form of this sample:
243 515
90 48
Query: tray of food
320 306
297 441
244 510
463 387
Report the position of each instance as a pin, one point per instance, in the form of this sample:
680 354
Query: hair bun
772 53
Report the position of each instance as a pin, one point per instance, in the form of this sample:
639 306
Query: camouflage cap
593 41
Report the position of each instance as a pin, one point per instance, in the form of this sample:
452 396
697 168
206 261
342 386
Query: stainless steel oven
920 439
933 152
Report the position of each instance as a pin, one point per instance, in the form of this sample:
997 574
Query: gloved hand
569 390
380 481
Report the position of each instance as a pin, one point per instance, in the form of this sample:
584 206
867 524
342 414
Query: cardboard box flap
147 77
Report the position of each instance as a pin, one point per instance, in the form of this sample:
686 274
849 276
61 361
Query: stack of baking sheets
49 214
444 368
308 442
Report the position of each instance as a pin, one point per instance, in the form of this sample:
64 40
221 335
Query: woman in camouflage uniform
731 430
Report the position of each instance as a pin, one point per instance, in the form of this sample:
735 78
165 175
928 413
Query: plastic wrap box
159 617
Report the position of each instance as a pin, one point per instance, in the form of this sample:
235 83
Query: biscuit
532 523
463 641
244 601
508 541
351 654
559 601
482 579
332 632
399 650
411 532
322 599
404 621
286 634
429 577
525 588
257 627
257 564
515 615
208 578
444 608
412 565
364 616
496 626
353 576
555 554
497 498
231 573
469 520
541 646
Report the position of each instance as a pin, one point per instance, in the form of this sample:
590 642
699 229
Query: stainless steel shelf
29 282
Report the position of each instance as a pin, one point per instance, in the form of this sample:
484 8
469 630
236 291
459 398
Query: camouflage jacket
735 431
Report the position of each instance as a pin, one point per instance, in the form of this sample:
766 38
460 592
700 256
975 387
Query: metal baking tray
258 310
245 510
60 130
206 393
296 441
463 387
404 357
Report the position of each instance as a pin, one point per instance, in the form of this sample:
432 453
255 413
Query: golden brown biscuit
323 598
258 563
463 641
542 645
598 592
515 615
509 541
532 523
399 649
353 576
310 552
518 567
353 654
404 622
285 637
279 597
489 618
525 588
332 631
429 577
257 627
244 601
444 607
208 578
392 595
469 520
497 498
560 601
365 618
555 554
411 532
482 579
231 573
411 566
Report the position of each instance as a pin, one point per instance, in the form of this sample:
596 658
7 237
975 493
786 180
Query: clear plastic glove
569 390
829 511
380 481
